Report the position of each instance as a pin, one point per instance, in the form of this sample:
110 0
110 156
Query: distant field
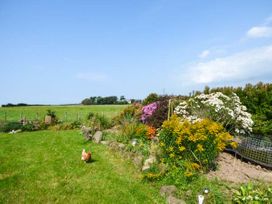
65 113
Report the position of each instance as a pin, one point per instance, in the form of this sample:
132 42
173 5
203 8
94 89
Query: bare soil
237 171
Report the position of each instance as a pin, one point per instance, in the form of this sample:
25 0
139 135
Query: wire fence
256 150
65 117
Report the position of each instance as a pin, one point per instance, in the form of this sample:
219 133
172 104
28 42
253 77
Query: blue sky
56 51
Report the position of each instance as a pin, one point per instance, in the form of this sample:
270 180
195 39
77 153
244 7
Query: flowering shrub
155 113
194 146
160 114
151 132
137 130
148 110
220 108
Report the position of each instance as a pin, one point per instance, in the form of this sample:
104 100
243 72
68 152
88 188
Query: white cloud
204 54
92 76
259 32
250 64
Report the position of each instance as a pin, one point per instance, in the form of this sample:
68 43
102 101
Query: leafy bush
133 130
90 115
251 194
152 97
98 122
51 113
262 126
136 130
194 146
129 114
152 174
9 126
66 126
29 127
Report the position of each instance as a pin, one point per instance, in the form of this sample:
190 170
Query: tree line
99 100
258 100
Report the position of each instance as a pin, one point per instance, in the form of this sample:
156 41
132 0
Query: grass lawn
68 113
45 166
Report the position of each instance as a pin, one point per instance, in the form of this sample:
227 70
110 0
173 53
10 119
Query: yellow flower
172 155
200 148
234 145
171 149
221 146
195 166
188 174
193 138
182 148
162 144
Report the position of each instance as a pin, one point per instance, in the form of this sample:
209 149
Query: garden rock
105 142
138 161
48 120
154 149
168 190
173 200
117 146
86 132
113 145
148 163
97 137
189 193
113 130
162 167
121 146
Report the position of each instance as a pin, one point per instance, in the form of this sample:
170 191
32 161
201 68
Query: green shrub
98 122
152 97
129 114
9 126
152 174
51 113
252 194
28 127
262 126
66 126
129 131
105 122
134 130
90 115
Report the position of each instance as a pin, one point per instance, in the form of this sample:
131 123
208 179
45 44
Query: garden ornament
206 190
134 142
200 199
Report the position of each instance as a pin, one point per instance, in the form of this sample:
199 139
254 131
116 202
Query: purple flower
148 110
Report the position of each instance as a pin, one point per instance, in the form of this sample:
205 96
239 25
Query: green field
65 113
45 167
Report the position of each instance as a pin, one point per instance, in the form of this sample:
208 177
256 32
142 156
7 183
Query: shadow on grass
91 161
